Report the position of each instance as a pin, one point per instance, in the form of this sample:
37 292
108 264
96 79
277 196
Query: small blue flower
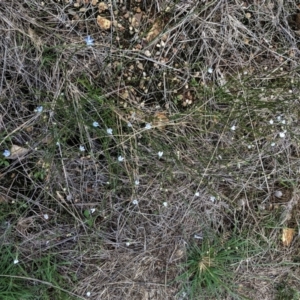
6 153
39 109
148 126
95 124
89 41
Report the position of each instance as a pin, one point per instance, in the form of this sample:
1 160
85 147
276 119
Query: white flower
148 126
212 198
89 41
210 70
278 194
88 294
6 153
249 146
120 158
233 128
16 261
273 144
137 182
282 134
129 124
57 144
127 244
109 131
197 194
95 124
271 122
81 148
160 154
279 118
283 122
165 204
39 109
135 202
46 216
92 210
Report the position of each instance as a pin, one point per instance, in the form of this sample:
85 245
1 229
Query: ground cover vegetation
149 149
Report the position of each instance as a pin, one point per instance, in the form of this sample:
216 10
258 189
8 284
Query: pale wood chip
287 236
103 23
17 152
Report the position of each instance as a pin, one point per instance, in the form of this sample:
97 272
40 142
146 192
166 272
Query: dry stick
69 193
135 282
43 282
24 125
64 168
257 148
3 70
207 166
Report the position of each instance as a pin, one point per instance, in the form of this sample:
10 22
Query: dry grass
218 81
